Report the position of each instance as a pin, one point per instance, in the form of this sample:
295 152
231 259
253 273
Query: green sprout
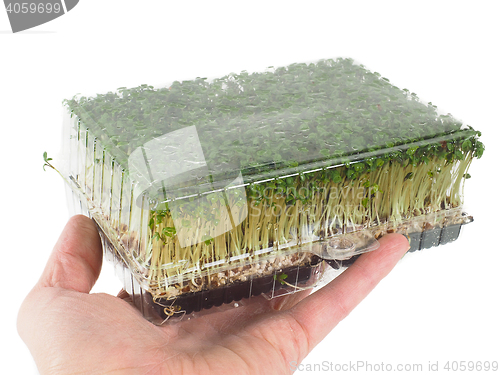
207 240
169 231
47 161
280 278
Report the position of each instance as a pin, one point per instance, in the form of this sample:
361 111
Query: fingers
75 262
323 310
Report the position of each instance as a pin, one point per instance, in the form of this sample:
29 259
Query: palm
77 332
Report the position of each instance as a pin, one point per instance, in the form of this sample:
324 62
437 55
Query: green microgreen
47 160
280 278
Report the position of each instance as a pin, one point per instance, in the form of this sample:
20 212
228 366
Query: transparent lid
202 135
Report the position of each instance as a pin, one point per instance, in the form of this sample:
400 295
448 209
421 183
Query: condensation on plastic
172 269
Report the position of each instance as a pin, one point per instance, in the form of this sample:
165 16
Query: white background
437 305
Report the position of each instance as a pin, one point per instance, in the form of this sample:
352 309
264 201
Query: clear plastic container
209 192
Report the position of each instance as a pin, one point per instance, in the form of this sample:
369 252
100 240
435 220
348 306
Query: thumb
75 262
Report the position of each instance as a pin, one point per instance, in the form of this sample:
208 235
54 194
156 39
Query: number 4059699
474 366
32 8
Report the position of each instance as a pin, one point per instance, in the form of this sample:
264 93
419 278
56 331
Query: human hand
70 331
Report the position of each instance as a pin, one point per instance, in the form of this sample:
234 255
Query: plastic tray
207 192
